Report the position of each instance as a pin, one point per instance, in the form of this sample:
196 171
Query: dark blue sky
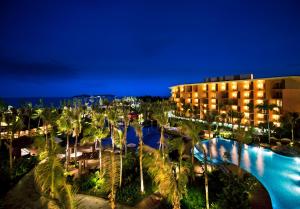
64 48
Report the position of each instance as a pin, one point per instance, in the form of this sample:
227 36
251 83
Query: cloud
18 70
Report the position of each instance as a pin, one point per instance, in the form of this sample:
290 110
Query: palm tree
28 113
111 176
48 117
64 125
139 133
76 119
120 139
112 116
192 130
49 176
162 118
126 121
291 119
265 108
179 145
14 125
3 108
210 118
170 180
96 132
37 115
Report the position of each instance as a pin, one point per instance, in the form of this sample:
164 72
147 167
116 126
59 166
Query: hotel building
241 93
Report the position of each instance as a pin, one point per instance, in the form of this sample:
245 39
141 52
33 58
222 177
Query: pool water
151 136
279 174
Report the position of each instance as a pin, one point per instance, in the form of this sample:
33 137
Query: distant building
241 93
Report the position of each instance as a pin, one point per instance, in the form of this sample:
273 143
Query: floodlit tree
291 119
64 125
49 176
161 111
76 120
14 126
193 130
266 108
96 132
170 180
139 133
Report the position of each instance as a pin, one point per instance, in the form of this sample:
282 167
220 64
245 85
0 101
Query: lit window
246 101
275 117
204 87
181 88
196 94
223 86
213 87
259 101
204 111
234 86
234 94
246 115
246 85
259 115
260 85
196 100
246 108
246 94
188 100
213 100
260 94
234 107
204 105
213 106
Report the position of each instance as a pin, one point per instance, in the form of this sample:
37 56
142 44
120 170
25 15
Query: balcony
277 95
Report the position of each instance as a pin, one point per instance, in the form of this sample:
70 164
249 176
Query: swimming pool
279 174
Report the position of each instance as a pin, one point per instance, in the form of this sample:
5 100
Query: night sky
66 48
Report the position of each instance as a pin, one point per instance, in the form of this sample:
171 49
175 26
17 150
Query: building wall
238 94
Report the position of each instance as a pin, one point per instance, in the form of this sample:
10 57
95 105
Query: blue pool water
279 174
151 136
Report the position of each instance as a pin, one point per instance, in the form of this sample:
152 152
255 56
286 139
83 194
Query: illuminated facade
240 93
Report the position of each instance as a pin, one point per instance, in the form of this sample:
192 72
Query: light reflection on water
279 174
260 162
246 159
234 154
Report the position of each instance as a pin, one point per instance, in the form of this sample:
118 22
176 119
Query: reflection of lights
246 159
214 151
297 159
293 176
234 154
222 152
246 146
260 162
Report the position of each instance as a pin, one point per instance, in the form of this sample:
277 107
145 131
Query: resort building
240 93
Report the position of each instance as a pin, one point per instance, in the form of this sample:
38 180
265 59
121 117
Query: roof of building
240 80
